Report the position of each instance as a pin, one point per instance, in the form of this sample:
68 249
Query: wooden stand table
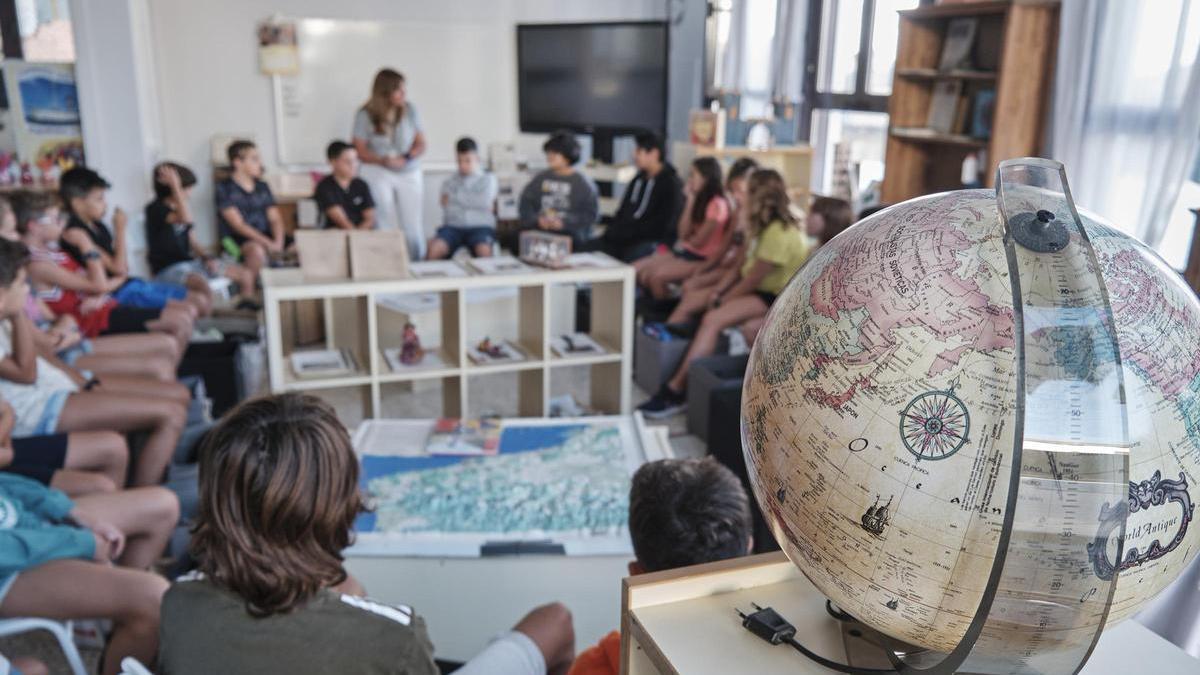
351 314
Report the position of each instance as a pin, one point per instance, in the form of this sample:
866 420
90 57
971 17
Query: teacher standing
388 137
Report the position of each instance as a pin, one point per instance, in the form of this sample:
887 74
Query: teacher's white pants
398 196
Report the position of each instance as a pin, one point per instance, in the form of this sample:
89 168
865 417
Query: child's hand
109 542
120 220
6 454
92 303
168 176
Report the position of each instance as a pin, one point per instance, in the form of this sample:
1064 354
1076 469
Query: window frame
813 99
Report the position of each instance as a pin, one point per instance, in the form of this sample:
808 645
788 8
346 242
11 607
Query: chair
60 631
131 666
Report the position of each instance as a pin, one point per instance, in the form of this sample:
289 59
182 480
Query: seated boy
81 291
649 208
343 198
561 199
250 224
469 200
48 399
681 512
82 192
176 257
57 556
278 499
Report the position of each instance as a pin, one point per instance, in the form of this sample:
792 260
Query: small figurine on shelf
490 350
410 349
47 170
6 162
26 174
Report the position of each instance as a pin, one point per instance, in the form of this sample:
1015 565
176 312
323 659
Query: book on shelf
961 120
488 351
943 105
323 363
576 344
436 269
957 44
501 264
471 437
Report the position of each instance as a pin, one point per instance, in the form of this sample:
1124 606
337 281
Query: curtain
1126 119
752 62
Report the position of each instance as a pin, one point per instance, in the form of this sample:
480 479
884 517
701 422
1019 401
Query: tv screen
592 77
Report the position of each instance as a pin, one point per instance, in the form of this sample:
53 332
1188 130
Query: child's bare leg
437 250
137 386
79 483
691 304
199 293
254 255
483 250
27 665
102 452
146 516
157 369
667 272
138 344
241 276
113 411
73 589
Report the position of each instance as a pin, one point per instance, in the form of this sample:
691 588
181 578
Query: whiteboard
460 76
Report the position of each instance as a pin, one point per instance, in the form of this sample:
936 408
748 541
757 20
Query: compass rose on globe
935 424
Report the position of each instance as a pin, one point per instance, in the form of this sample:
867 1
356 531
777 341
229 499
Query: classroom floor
495 395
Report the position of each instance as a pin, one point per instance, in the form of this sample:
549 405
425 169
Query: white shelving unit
352 322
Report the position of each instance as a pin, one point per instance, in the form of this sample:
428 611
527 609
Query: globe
881 415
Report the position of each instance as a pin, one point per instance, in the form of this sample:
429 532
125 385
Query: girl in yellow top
778 247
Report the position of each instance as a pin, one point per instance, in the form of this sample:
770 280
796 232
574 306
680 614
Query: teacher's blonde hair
380 110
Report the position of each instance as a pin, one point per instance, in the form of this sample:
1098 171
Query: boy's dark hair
186 179
278 498
13 256
466 144
837 215
29 205
686 512
335 149
648 140
739 169
78 182
237 148
565 144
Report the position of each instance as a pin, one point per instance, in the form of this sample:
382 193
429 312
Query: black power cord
772 628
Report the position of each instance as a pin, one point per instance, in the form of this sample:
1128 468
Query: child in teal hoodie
57 556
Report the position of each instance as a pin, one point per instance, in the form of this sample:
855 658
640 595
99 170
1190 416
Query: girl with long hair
703 231
778 247
389 140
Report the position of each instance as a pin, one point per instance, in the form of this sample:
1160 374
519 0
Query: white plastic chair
60 631
131 666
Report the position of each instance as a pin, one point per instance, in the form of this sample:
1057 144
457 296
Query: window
847 80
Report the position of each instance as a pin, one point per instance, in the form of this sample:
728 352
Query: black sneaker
663 404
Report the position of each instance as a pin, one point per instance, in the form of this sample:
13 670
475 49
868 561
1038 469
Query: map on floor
557 485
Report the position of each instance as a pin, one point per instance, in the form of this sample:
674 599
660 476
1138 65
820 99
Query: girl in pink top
702 231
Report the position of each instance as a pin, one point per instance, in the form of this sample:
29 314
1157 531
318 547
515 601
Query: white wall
207 71
118 104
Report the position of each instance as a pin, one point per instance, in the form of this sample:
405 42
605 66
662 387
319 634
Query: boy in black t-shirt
175 254
343 198
251 226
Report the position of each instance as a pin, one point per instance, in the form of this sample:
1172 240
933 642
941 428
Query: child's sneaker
665 403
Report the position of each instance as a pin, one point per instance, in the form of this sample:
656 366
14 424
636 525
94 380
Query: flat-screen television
592 77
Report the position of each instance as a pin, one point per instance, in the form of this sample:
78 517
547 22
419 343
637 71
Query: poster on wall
43 114
277 51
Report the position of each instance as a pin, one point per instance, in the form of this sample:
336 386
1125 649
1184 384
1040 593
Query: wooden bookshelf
1013 53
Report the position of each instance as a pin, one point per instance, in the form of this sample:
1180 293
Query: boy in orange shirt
681 512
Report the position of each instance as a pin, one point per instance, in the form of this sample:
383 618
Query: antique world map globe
968 392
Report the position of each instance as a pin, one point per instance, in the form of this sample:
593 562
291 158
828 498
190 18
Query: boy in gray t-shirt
468 199
560 199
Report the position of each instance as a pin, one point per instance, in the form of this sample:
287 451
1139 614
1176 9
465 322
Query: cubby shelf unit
351 311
